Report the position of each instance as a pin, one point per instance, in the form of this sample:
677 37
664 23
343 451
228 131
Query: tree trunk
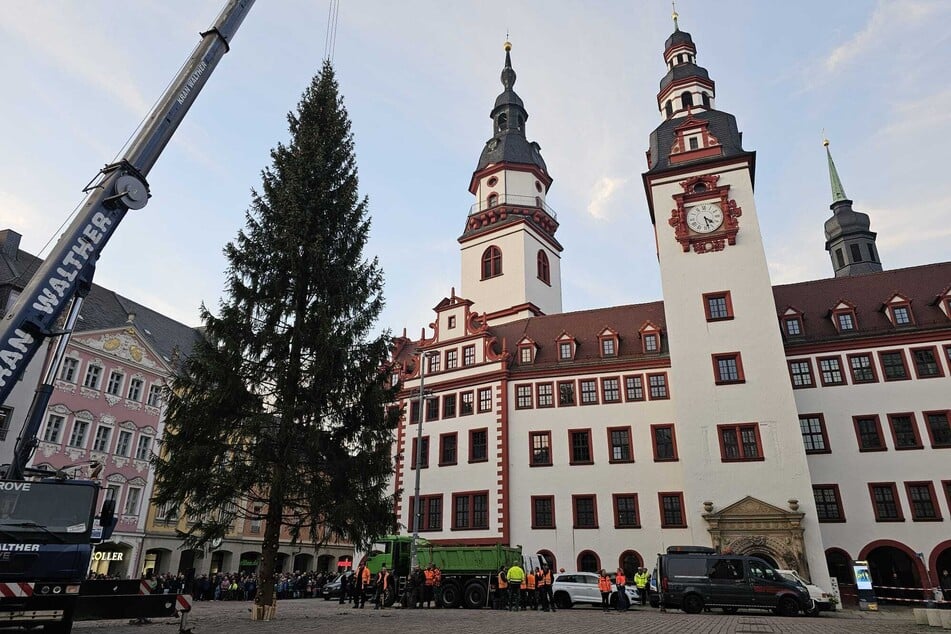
272 536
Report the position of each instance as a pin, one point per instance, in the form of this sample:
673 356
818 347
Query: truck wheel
787 607
562 601
474 595
693 604
451 594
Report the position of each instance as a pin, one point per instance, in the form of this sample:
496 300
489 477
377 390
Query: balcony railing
512 200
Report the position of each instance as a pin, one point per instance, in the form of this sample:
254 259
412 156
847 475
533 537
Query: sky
419 79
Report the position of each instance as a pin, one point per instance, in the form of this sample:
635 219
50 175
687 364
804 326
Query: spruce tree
280 413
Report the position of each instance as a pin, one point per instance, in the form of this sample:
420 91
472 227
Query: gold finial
674 15
825 139
507 46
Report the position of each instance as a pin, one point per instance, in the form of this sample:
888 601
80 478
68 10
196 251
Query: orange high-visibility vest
621 579
604 584
366 576
530 581
503 584
437 576
381 580
429 576
548 578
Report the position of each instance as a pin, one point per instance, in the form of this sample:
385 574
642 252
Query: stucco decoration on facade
124 345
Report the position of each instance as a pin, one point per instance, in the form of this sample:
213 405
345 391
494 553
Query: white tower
511 261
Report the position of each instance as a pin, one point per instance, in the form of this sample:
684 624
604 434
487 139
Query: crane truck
48 525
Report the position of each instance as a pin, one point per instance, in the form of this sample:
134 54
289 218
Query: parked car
653 595
821 601
572 588
331 589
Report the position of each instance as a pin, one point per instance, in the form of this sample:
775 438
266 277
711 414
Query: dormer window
650 338
566 347
843 317
526 351
607 348
901 315
608 340
650 343
792 323
899 311
845 321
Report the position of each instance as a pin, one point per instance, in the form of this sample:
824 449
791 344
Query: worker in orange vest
528 590
502 590
604 585
382 585
428 587
548 601
620 583
437 586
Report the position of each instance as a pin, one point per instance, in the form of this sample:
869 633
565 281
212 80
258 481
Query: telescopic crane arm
65 276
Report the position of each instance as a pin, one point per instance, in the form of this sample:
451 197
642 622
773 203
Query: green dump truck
468 572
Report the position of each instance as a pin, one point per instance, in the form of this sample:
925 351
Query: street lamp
417 512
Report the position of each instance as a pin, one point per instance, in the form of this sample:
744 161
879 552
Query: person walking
620 584
365 579
640 582
357 591
515 577
604 585
344 587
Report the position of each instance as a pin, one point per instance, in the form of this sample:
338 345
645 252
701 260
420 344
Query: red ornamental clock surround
700 189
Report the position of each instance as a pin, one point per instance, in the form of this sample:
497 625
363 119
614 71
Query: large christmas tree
280 414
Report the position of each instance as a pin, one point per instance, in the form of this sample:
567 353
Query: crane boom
68 270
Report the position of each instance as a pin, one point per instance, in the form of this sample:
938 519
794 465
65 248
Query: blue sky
419 79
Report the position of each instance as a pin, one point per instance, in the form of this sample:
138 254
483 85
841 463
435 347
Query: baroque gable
124 344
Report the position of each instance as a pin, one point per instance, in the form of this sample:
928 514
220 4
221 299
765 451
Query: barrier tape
183 602
900 588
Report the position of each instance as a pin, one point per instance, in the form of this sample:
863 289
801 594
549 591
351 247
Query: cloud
927 112
20 215
601 195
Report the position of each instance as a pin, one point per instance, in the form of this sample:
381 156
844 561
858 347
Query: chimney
9 243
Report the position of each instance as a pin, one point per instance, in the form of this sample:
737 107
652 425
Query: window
947 490
904 431
868 430
801 373
686 100
452 357
101 441
93 374
706 99
828 503
465 403
78 437
579 441
448 449
902 315
845 321
863 370
430 518
539 443
414 411
449 406
619 442
565 349
435 363
885 502
856 252
523 397
728 368
651 342
830 371
608 348
625 511
658 386
585 511
839 258
893 365
451 322
672 510
611 390
525 354
468 355
69 369
544 272
133 497
124 443
258 510
694 143
634 388
144 448
491 258
792 326
718 306
167 514
589 392
470 510
566 393
420 457
114 386
54 428
478 445
545 394
155 395
926 362
664 442
939 428
740 443
543 511
135 390
112 492
921 500
588 562
814 436
485 399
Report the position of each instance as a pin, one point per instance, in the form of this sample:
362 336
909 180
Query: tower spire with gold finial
838 191
674 15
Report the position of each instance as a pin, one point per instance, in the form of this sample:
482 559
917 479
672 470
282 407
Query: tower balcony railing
512 200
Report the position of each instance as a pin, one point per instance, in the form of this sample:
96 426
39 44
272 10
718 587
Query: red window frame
627 398
894 488
425 521
604 389
531 448
535 524
792 375
665 386
480 400
726 356
878 426
737 431
892 317
790 318
613 338
838 326
468 355
590 383
655 335
937 359
838 503
914 427
615 498
448 412
571 447
574 509
473 432
522 391
673 441
425 465
471 495
530 350
538 394
574 394
871 367
725 295
544 267
904 362
946 485
571 347
947 419
630 445
452 356
683 512
583 554
442 447
822 430
821 372
933 497
491 262
472 405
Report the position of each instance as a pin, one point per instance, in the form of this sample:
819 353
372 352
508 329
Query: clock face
705 217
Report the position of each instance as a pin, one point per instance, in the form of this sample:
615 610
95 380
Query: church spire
838 191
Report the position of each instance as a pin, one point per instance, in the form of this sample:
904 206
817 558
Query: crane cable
330 39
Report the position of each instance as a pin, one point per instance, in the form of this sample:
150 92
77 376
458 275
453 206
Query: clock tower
736 419
511 261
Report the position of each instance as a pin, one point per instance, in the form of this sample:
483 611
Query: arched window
550 558
544 273
669 108
629 562
706 99
492 201
491 262
588 561
686 99
503 121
